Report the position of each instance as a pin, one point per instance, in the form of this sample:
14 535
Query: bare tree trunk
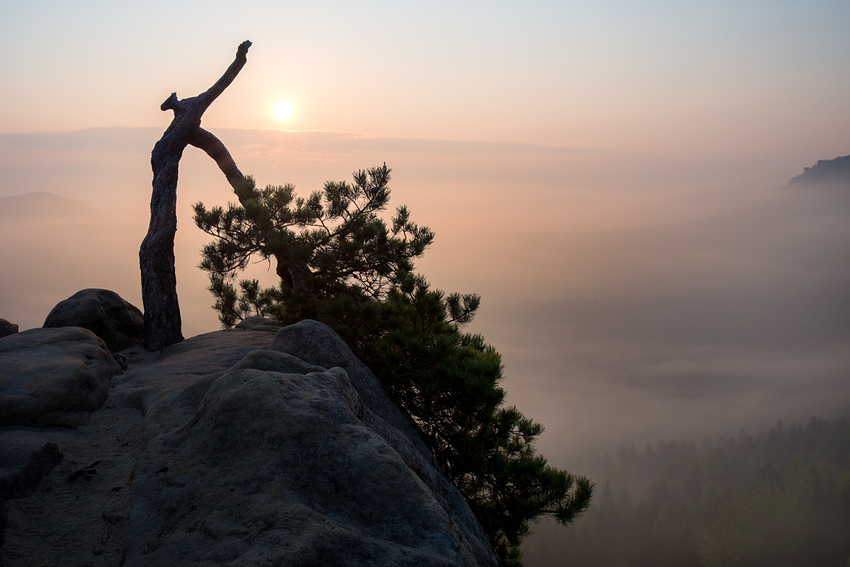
156 254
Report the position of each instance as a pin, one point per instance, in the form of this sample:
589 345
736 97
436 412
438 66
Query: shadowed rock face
296 463
7 328
241 447
24 461
53 376
116 321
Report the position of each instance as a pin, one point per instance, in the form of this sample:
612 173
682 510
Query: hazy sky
535 138
660 77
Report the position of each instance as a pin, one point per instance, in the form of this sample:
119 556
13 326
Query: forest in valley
773 499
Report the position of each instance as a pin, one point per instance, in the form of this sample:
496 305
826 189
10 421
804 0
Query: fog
633 297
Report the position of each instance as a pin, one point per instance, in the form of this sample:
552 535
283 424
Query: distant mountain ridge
826 171
42 204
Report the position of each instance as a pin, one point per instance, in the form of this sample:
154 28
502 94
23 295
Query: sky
662 77
606 174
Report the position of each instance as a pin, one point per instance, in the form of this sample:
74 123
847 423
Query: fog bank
633 298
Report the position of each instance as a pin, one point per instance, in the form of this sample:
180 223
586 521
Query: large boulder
237 447
7 328
287 462
53 376
317 344
119 323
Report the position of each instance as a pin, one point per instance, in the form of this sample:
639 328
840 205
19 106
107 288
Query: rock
285 461
7 328
834 172
260 324
24 461
236 447
317 344
105 313
53 376
168 385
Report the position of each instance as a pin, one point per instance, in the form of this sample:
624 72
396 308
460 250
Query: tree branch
214 148
156 254
212 93
188 112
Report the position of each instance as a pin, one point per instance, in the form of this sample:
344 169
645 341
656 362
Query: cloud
122 139
336 142
111 140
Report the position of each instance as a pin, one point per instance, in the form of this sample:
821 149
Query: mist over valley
694 326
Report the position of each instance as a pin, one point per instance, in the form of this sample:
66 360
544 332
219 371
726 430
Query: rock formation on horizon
237 447
42 205
825 172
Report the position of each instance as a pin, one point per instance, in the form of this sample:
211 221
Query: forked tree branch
156 254
207 141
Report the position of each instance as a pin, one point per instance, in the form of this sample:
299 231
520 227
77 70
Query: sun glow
282 110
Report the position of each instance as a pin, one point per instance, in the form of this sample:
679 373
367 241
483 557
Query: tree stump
156 254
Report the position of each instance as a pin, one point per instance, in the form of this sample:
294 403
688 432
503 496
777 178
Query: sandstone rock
260 324
105 313
168 385
7 328
53 376
236 447
317 344
284 462
24 460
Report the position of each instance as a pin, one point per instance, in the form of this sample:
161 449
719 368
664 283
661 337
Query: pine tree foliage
447 381
340 263
328 243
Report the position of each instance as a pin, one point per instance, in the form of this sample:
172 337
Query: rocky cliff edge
238 447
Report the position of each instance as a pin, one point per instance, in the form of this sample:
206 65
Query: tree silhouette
156 254
340 263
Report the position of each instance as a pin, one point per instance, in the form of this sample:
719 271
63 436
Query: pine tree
340 263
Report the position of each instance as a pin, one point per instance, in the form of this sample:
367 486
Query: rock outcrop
119 323
53 376
834 172
7 328
246 448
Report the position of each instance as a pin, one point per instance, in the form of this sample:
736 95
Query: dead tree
156 255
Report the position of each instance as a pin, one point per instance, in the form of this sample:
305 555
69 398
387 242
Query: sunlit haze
609 176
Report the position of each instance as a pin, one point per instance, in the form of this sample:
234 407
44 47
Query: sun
282 110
